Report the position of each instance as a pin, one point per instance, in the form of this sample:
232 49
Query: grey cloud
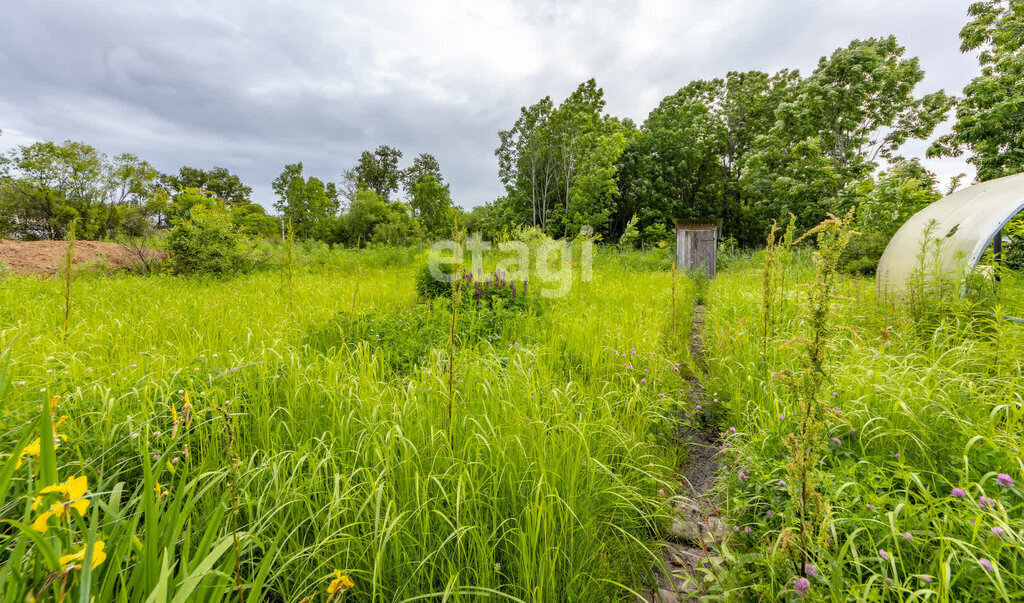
254 85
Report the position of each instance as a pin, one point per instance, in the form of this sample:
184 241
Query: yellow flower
73 493
340 583
53 403
98 556
160 492
32 449
174 413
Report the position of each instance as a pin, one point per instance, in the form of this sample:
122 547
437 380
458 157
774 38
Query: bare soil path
689 549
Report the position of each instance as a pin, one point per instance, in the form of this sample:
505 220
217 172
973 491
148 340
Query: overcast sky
251 85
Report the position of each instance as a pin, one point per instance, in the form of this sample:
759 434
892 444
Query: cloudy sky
251 85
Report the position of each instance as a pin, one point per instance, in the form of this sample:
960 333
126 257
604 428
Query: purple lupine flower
802 586
883 554
985 564
958 493
837 441
908 536
1004 480
998 531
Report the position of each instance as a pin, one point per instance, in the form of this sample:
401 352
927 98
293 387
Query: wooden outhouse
697 246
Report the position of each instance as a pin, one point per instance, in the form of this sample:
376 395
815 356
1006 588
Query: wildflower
985 564
159 491
908 536
810 570
661 492
743 476
735 528
897 455
747 529
73 493
1004 480
998 531
340 583
698 407
768 514
732 430
31 449
782 483
871 507
958 493
926 578
645 371
802 586
837 441
883 554
98 556
985 503
643 382
782 417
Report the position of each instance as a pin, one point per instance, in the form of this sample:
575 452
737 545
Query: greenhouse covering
965 223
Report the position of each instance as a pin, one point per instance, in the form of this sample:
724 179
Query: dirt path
688 550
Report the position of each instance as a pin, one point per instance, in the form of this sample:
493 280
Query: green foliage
306 203
559 164
857 106
209 243
45 186
989 116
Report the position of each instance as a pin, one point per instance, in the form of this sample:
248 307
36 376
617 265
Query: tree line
743 150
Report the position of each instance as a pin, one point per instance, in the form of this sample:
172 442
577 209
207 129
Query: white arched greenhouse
965 222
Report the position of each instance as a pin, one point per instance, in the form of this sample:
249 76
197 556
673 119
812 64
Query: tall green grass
917 408
230 456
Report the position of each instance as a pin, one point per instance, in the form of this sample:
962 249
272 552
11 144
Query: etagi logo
550 262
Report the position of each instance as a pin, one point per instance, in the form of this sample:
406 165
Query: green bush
863 252
209 243
429 287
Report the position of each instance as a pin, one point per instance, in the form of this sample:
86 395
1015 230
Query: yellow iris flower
73 493
340 583
98 556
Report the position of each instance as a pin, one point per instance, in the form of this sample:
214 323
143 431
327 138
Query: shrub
863 252
209 243
429 287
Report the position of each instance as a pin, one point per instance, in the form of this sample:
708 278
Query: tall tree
990 116
857 108
429 196
217 180
307 202
378 171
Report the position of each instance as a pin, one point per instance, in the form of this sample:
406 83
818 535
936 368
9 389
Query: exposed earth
45 257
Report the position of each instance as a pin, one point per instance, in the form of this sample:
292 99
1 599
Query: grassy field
922 426
279 439
249 419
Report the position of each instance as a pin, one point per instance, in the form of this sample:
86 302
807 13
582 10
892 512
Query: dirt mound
45 257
